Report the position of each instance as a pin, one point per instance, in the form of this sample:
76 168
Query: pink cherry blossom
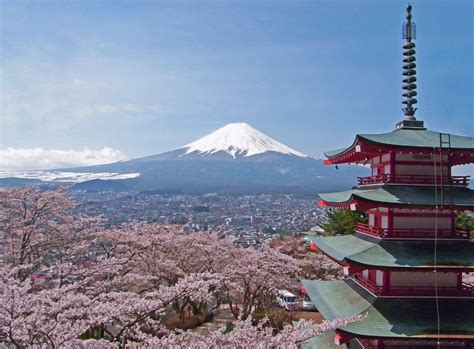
66 281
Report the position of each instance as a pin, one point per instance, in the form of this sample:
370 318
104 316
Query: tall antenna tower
409 65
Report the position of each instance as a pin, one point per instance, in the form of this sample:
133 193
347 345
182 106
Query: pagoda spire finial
409 74
409 65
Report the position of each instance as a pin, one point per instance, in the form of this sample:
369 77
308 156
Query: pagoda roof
326 341
391 318
411 139
360 249
401 195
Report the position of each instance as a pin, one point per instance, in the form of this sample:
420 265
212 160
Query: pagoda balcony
457 181
465 290
367 284
410 233
366 343
370 230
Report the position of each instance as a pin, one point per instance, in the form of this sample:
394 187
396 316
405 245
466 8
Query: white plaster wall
419 170
365 274
384 222
411 210
422 279
421 223
418 157
371 219
379 277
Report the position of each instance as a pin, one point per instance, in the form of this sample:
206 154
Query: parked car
287 300
308 303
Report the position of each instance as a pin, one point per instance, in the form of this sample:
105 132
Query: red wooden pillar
392 166
448 165
372 275
453 222
376 218
386 282
459 280
390 222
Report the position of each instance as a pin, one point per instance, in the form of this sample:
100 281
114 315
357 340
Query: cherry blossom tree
38 229
255 277
66 281
314 264
248 335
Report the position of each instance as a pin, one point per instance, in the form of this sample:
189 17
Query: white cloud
48 97
117 109
14 159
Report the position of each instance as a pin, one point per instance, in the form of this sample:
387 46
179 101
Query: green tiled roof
418 138
404 195
409 138
335 152
397 254
333 299
326 341
394 318
341 247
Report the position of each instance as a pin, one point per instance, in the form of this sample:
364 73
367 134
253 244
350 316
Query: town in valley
251 219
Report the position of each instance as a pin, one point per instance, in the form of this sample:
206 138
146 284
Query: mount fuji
238 140
236 158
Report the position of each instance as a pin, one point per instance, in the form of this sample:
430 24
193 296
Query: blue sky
143 77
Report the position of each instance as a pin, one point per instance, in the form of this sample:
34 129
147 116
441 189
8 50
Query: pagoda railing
366 343
369 229
369 285
461 181
466 290
411 233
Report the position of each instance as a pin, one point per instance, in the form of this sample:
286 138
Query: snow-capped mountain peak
238 139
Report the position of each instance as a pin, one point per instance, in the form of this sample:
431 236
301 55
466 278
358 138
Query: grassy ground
308 315
278 316
172 322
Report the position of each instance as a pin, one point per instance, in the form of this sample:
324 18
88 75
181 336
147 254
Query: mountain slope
236 159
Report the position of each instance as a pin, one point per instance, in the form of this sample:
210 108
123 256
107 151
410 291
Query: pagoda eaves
406 319
399 196
397 255
367 146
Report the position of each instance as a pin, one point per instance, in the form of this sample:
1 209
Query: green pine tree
465 221
342 221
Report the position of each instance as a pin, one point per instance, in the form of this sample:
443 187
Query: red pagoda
406 269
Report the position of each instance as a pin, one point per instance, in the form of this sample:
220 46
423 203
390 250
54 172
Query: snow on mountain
238 139
65 176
